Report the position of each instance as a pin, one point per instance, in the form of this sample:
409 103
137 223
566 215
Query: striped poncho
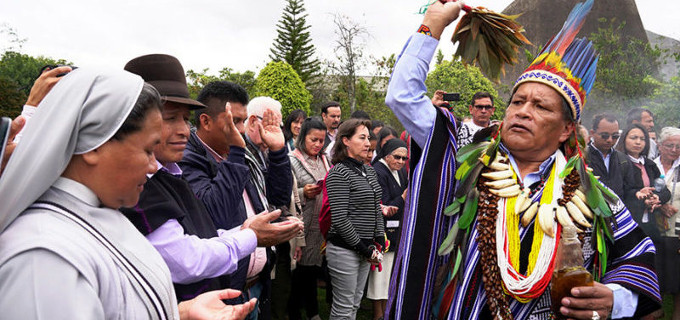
412 287
425 227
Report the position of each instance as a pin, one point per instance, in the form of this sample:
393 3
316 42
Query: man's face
213 127
647 121
332 117
481 111
606 135
534 125
174 133
652 136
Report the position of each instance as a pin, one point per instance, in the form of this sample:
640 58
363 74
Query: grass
365 312
667 307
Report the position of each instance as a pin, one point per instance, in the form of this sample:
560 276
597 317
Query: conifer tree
293 43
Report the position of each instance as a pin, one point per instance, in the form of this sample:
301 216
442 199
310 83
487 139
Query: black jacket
637 207
168 197
619 178
391 196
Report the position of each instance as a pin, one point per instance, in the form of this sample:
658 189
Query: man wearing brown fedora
169 214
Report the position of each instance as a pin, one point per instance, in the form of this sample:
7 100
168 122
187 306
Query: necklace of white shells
516 205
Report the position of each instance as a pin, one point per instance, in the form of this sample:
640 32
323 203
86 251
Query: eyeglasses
400 158
606 136
486 107
671 146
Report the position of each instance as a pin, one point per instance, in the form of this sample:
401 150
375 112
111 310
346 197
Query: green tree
454 76
197 80
665 103
293 43
17 73
626 71
280 81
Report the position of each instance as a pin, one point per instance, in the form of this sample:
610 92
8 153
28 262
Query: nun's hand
14 129
209 305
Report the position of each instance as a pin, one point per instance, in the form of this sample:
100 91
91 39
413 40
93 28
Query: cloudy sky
228 33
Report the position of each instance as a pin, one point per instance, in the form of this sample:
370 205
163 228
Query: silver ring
596 316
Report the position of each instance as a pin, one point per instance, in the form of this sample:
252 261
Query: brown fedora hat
166 74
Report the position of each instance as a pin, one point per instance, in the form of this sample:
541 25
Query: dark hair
149 99
215 95
360 114
377 124
621 146
346 130
329 104
599 117
480 95
635 114
385 132
372 136
292 117
308 125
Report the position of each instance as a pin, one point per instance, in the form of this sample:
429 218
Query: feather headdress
565 64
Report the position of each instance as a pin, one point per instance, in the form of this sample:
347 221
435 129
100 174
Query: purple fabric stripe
140 211
441 228
636 276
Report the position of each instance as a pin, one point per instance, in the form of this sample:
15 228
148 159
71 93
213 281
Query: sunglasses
400 158
606 136
486 107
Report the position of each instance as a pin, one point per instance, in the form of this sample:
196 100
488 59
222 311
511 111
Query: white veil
82 112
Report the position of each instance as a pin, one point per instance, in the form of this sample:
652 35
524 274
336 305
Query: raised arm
406 91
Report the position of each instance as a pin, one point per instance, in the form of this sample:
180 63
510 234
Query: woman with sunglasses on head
357 229
642 203
668 254
393 180
310 166
66 252
291 128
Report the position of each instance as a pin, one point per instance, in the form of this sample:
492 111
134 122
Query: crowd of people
117 204
168 213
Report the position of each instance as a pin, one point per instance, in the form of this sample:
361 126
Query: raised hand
44 84
270 130
438 99
234 138
439 15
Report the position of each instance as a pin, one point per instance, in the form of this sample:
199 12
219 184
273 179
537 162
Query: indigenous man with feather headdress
483 222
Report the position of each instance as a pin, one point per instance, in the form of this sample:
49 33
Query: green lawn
366 313
667 307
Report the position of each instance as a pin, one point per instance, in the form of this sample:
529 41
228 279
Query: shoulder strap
123 262
304 163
